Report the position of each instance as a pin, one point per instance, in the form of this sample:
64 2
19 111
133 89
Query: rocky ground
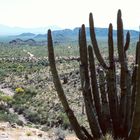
14 132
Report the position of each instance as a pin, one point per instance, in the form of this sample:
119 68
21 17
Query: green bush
19 90
2 74
5 98
65 121
8 117
33 116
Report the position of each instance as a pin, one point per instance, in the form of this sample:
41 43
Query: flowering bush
19 90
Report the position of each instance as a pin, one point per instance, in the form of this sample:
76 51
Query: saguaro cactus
108 109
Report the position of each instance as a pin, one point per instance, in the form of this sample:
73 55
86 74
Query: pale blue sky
68 13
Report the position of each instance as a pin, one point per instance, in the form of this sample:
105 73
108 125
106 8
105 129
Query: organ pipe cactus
58 86
135 130
110 106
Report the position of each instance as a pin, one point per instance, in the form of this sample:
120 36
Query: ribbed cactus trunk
135 130
125 79
127 124
62 97
105 106
111 84
95 91
133 82
120 44
90 109
94 42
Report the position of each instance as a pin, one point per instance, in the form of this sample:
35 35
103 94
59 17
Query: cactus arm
94 86
111 83
112 67
125 79
60 91
120 44
135 130
133 91
134 83
120 38
111 46
95 44
84 74
139 33
105 105
127 41
127 124
95 91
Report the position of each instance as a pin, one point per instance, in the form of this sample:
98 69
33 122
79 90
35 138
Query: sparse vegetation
6 116
25 69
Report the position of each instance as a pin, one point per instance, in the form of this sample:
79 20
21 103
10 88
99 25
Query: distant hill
6 30
26 34
72 35
68 35
18 41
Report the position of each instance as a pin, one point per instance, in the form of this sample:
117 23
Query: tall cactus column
90 111
110 70
135 130
60 92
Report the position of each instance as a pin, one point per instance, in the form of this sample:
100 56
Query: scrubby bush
19 90
8 117
5 98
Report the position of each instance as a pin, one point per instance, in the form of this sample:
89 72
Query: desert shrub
28 133
8 117
2 73
13 67
26 95
21 104
33 116
20 101
20 68
64 120
43 63
30 92
19 90
5 98
19 109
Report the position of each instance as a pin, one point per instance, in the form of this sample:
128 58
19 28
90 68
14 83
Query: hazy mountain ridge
69 35
73 34
7 30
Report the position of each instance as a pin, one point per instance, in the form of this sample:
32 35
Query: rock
40 134
4 136
14 125
4 126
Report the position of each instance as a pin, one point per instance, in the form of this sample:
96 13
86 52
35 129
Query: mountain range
59 36
7 30
72 35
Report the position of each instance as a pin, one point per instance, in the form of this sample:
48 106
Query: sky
68 13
